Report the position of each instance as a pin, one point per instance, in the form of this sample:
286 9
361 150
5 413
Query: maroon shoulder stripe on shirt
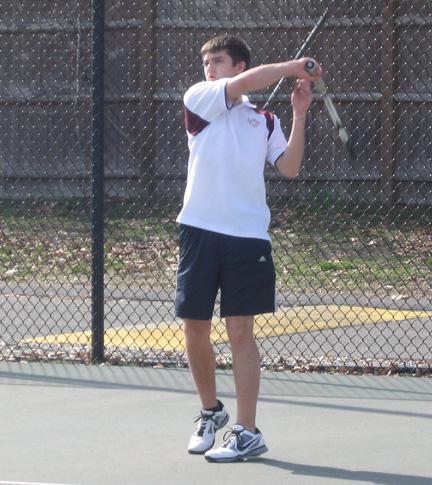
269 116
194 124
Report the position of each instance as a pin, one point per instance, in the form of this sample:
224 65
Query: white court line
31 483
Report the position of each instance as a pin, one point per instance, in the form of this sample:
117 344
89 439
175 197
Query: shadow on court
91 425
341 474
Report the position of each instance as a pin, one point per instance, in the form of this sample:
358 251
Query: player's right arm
261 77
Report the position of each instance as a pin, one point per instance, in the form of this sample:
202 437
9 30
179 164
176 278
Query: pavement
70 424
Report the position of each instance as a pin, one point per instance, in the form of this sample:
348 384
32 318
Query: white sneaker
240 444
204 436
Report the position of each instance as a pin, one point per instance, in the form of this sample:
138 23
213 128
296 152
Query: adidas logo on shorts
262 259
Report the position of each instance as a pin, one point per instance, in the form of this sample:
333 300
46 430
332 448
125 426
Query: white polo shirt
225 189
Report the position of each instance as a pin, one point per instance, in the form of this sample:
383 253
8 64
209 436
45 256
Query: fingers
303 87
301 97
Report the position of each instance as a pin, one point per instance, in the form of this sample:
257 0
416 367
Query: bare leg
246 367
201 360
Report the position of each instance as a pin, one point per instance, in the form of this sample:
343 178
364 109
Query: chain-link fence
352 239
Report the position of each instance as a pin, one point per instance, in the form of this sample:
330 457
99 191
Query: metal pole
146 136
97 143
387 163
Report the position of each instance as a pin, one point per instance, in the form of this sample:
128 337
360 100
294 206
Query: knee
240 330
197 330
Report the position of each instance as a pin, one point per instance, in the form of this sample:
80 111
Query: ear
240 66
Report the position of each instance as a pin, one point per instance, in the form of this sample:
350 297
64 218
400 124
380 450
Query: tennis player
224 240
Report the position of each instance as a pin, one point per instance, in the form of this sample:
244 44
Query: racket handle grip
320 86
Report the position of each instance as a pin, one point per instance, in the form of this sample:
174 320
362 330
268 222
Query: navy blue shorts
242 268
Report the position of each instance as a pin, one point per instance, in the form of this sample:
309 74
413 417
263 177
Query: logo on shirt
254 122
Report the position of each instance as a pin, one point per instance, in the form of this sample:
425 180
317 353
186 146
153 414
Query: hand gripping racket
321 89
299 54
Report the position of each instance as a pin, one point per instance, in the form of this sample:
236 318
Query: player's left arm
289 162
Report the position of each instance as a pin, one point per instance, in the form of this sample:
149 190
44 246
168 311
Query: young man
224 243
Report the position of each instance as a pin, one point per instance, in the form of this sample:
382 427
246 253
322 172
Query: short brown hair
236 48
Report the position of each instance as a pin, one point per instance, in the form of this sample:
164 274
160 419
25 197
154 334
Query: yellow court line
292 320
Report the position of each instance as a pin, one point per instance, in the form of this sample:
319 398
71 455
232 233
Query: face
219 65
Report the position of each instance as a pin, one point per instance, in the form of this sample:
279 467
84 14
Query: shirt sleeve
207 99
277 143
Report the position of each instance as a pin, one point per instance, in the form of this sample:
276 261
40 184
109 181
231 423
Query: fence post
387 161
97 197
147 140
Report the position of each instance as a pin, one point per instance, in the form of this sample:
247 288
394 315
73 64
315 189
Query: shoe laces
233 436
204 418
